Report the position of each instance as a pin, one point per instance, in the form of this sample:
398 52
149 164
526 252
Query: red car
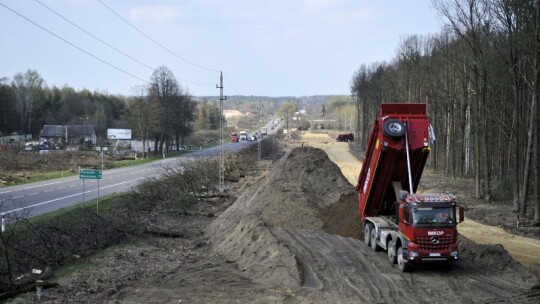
234 137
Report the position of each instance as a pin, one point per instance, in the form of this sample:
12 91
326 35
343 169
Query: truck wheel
394 128
367 234
401 261
392 259
374 245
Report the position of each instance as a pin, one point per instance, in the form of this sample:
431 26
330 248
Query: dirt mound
488 256
304 190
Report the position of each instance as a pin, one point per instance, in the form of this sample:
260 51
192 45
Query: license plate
435 254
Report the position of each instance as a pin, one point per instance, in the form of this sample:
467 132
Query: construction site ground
292 235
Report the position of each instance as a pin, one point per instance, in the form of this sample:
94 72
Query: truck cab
413 228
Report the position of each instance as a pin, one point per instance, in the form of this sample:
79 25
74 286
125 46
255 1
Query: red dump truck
413 228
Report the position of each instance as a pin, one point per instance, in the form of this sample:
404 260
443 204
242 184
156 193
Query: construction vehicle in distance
345 137
412 228
234 137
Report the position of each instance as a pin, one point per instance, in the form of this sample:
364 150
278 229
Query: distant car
244 136
29 147
174 148
44 148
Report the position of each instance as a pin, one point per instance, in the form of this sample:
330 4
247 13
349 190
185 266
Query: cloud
158 14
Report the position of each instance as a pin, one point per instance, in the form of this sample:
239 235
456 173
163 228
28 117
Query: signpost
91 174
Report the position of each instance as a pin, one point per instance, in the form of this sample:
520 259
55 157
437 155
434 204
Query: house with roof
69 135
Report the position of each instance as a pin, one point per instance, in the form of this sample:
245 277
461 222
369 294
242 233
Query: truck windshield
432 216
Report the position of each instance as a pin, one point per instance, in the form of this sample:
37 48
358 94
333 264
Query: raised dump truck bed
413 228
386 160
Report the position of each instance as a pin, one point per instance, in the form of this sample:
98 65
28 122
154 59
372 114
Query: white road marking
64 197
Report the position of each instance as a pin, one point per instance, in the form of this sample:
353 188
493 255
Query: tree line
480 79
160 110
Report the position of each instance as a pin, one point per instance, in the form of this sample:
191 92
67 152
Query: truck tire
373 241
394 128
367 234
403 265
391 248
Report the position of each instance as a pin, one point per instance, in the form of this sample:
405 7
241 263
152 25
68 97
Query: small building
69 135
14 137
13 141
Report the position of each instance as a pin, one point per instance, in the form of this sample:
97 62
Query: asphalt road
43 197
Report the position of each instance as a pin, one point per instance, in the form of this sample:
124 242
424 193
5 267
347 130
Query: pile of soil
304 190
293 229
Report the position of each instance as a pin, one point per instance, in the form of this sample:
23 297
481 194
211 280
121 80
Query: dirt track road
524 250
343 270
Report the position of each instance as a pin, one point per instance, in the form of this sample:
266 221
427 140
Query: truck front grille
435 243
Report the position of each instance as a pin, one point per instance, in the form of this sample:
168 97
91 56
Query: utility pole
84 130
221 154
259 149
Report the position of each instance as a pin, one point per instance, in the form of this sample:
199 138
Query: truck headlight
413 255
454 254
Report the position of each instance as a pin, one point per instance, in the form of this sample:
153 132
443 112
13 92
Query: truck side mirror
461 211
403 194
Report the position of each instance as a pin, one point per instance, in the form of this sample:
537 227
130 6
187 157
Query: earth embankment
297 228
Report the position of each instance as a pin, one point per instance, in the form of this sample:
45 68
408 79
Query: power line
112 47
157 43
73 45
93 36
229 82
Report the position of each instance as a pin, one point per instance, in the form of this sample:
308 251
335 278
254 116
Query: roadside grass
105 203
68 269
13 180
132 162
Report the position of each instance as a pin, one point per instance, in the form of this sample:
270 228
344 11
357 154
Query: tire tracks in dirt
343 270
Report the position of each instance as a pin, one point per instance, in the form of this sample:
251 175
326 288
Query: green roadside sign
89 174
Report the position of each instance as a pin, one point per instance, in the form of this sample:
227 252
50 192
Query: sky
263 47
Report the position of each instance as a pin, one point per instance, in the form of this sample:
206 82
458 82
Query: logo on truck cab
435 232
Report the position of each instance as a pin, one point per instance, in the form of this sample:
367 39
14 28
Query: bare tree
140 112
162 91
27 88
